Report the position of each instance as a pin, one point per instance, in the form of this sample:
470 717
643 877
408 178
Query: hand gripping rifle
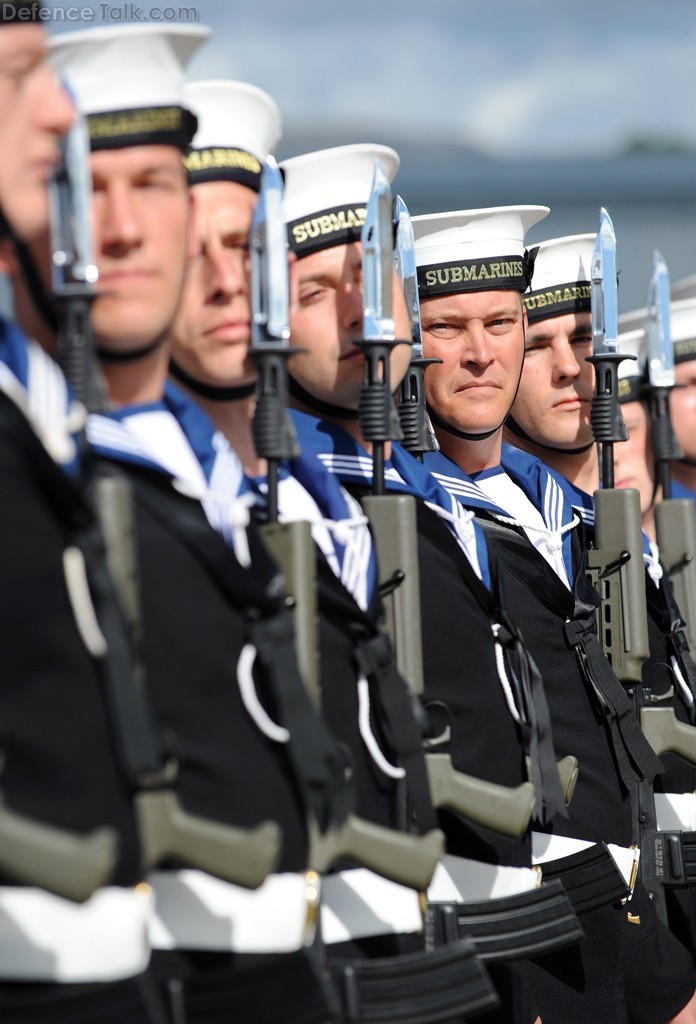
393 516
617 569
166 830
419 436
675 519
407 859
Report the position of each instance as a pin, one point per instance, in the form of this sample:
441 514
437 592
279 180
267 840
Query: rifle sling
396 714
634 756
318 764
136 744
531 698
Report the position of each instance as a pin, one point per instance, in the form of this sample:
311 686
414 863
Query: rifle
419 436
393 516
274 436
616 564
675 519
404 858
63 862
166 830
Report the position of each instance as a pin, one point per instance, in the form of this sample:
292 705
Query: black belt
523 925
590 878
294 986
415 988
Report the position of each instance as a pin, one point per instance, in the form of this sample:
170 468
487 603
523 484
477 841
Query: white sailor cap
474 250
327 192
129 82
685 288
682 322
238 126
632 373
562 277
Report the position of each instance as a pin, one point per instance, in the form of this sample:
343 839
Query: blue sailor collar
349 461
543 488
307 490
36 384
583 503
200 461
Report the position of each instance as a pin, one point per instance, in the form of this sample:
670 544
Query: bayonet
607 422
419 436
274 435
661 374
74 273
378 417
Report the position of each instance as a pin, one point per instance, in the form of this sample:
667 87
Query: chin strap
316 405
210 391
108 355
437 421
517 430
40 297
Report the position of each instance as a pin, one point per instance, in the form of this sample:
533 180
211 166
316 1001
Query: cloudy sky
539 77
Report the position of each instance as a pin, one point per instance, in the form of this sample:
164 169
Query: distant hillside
444 176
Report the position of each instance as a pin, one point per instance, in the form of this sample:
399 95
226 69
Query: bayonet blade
70 204
377 266
405 263
605 330
270 289
660 351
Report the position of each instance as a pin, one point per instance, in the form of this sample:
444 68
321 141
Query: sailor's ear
9 264
293 267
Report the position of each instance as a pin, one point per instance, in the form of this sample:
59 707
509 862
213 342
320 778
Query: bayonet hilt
419 436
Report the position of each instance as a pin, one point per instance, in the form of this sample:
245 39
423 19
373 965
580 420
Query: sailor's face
555 395
327 320
633 459
682 401
34 112
141 226
479 336
212 330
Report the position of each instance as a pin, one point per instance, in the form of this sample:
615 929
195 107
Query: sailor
473 270
325 203
683 395
221 676
550 418
73 914
238 125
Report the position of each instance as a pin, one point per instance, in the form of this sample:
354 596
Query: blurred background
488 102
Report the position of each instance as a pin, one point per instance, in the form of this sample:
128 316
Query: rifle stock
666 734
65 863
292 547
618 574
167 832
393 520
568 772
502 809
675 520
407 859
